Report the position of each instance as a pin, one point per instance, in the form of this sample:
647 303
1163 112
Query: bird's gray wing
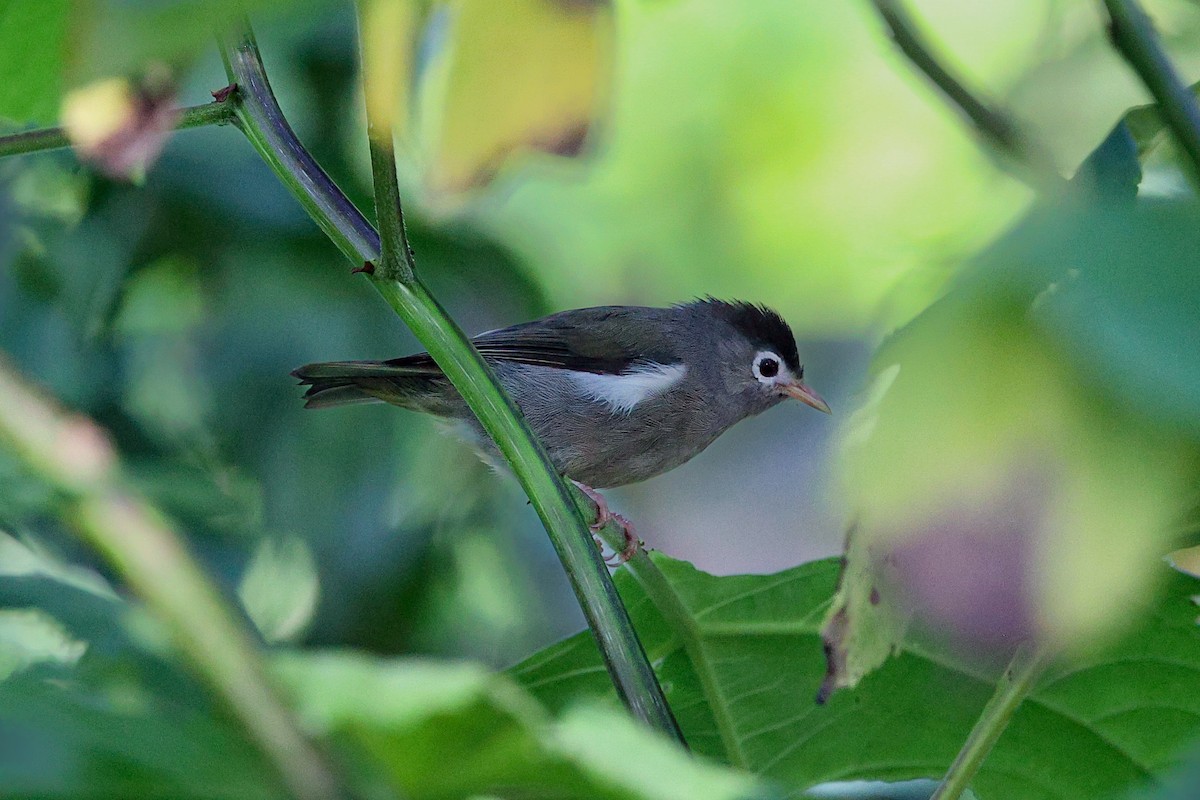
606 340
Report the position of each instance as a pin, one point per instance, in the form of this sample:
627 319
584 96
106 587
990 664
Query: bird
616 394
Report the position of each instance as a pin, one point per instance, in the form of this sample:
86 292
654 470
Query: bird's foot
603 517
632 543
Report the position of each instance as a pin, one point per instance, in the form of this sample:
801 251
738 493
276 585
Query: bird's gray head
758 360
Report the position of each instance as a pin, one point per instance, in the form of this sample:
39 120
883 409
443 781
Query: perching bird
617 394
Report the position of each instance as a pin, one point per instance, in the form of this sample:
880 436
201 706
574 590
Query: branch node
367 268
223 94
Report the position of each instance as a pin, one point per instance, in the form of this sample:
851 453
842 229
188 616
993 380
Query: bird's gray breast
612 430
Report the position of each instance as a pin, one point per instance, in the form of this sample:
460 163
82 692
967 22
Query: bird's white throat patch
623 392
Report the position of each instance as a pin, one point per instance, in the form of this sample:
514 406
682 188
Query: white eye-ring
766 366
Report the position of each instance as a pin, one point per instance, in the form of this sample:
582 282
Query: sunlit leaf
536 70
279 588
389 31
742 667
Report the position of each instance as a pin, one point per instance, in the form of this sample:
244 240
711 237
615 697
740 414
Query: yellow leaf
512 75
97 112
389 33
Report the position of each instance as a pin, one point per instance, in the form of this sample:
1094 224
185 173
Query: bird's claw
603 517
632 543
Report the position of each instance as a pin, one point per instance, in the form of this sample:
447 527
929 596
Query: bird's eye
767 367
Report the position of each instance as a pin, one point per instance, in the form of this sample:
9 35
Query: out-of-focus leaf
45 188
1116 288
415 718
33 51
30 636
24 558
1186 560
279 588
1147 126
164 297
864 626
99 709
119 127
113 37
742 669
1011 501
1112 169
58 740
536 70
389 44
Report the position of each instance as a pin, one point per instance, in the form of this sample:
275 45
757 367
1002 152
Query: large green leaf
741 663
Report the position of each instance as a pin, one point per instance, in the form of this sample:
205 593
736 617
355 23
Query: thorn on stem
221 95
367 268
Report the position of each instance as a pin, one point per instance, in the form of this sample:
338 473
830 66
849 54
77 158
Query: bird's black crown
759 324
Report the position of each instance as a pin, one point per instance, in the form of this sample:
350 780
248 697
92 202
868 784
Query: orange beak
798 391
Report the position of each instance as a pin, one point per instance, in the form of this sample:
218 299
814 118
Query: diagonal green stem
1014 685
264 125
1133 35
15 144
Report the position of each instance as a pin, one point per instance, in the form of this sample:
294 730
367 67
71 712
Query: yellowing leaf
389 33
865 624
513 75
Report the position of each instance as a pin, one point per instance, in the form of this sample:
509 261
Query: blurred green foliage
776 151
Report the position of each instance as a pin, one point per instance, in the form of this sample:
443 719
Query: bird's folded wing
609 340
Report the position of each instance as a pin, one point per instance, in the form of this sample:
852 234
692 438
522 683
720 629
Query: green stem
56 138
997 128
683 622
1133 35
1014 685
264 125
74 455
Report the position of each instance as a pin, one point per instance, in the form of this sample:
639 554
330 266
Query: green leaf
279 588
114 38
415 718
64 741
743 666
32 59
1118 288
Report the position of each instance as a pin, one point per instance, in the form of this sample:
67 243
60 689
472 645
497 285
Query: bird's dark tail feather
341 383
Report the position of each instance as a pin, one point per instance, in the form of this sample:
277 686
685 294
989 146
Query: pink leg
631 543
603 516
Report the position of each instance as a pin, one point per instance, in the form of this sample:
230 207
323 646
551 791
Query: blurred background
775 151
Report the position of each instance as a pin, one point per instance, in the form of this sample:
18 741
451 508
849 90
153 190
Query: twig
74 455
36 141
1014 685
1133 35
1033 163
264 125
